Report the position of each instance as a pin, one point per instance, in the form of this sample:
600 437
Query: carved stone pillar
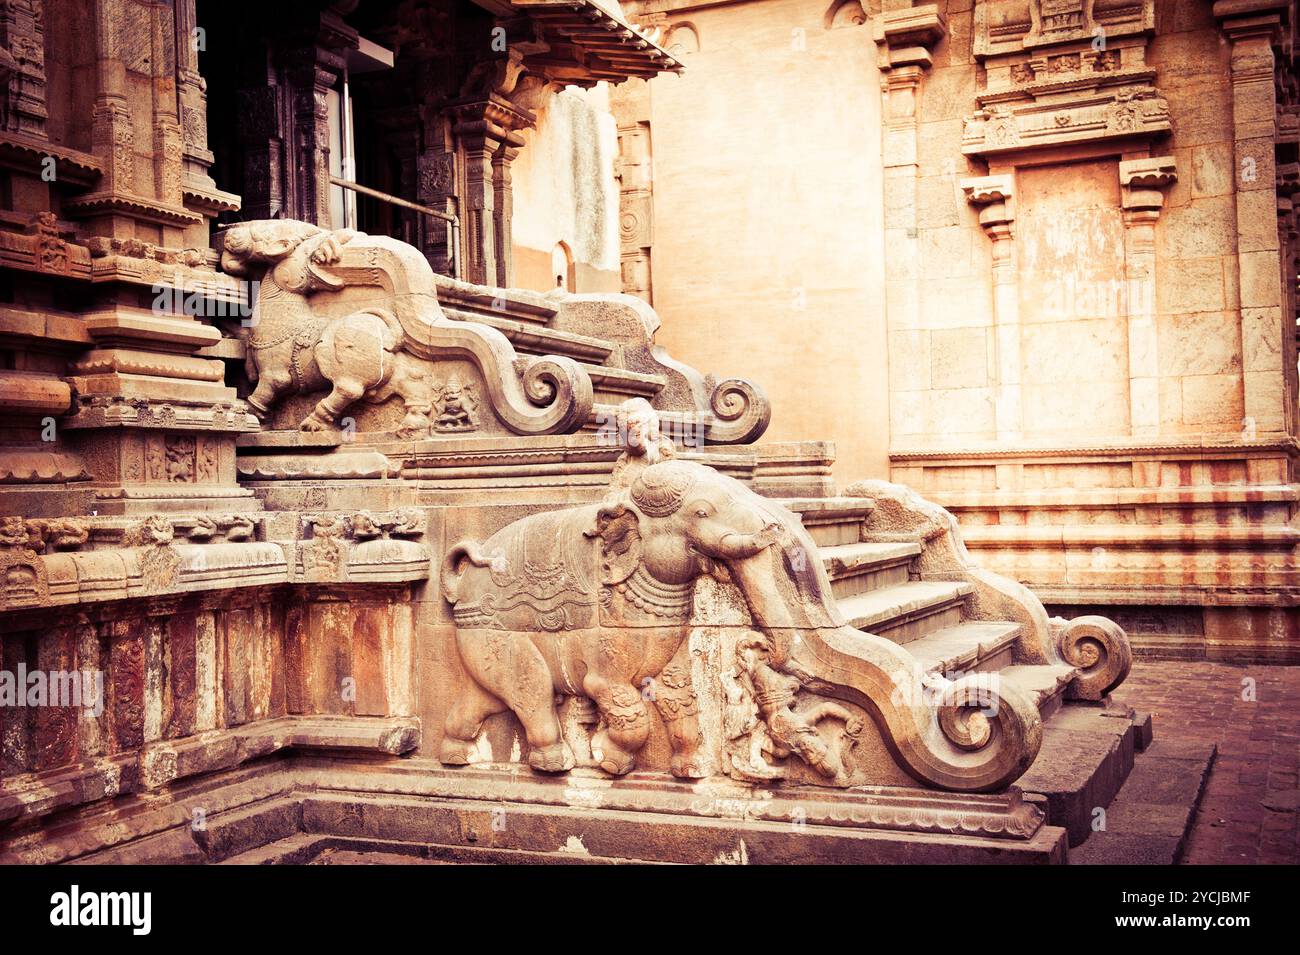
262 146
503 201
994 195
312 79
1251 27
488 139
902 38
135 129
1288 226
435 187
112 130
198 188
634 171
1142 181
22 36
313 63
478 232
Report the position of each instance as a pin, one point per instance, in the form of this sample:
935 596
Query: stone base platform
1149 821
1087 754
297 809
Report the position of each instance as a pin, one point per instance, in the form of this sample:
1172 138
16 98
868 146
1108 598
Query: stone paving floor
1249 811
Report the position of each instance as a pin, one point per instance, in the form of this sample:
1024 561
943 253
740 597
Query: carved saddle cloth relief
544 575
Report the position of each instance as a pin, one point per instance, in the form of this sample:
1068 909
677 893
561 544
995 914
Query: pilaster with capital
995 198
487 133
1142 184
1252 27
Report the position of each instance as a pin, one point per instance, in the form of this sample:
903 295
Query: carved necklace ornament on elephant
597 601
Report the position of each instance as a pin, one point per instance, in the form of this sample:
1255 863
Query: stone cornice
1100 110
30 152
905 37
106 203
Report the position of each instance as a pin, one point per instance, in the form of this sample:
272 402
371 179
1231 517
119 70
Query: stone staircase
878 590
535 325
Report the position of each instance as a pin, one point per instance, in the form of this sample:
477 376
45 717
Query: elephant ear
619 530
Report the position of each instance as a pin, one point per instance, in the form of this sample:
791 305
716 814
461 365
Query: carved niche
1063 71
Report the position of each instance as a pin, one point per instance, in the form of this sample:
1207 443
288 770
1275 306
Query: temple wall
1112 413
1054 280
1076 288
564 192
141 693
767 240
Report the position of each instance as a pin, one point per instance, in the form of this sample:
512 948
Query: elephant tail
451 574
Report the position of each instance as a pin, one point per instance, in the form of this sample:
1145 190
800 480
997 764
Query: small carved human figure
455 404
643 443
746 735
780 730
156 468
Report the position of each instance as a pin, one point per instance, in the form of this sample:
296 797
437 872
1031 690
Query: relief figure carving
599 600
378 351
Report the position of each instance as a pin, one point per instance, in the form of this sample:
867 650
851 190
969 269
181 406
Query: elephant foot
612 758
414 425
556 758
456 752
315 422
688 766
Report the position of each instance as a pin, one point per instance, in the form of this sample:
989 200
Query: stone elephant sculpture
597 601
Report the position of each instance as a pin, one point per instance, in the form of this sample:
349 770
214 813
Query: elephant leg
627 723
270 385
677 703
413 387
460 733
325 416
510 666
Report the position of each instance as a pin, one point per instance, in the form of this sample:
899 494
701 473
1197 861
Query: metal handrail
391 199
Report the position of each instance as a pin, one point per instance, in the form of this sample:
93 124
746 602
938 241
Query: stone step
1087 753
612 386
1045 684
975 645
857 568
906 612
529 338
1150 818
831 520
727 828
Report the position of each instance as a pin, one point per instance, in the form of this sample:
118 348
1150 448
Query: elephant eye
702 511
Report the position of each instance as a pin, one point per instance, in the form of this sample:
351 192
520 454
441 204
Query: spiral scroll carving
741 411
978 734
1099 648
983 714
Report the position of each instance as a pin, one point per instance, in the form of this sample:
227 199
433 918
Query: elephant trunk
785 586
744 546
